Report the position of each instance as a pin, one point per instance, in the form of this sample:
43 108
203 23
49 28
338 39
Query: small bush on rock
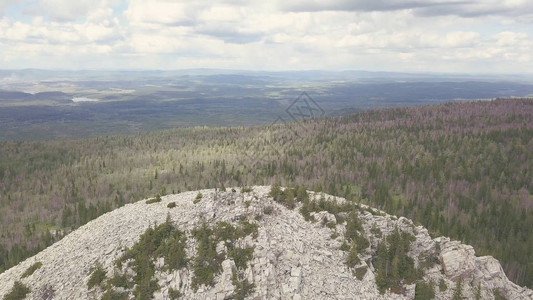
98 275
18 292
198 198
154 200
424 291
32 269
174 294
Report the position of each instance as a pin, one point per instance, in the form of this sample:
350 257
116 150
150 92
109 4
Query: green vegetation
32 269
458 291
268 210
498 296
111 294
198 198
154 200
442 285
360 272
174 294
353 259
246 228
424 291
163 241
98 275
477 293
243 288
18 292
241 256
462 170
246 189
393 265
120 280
207 263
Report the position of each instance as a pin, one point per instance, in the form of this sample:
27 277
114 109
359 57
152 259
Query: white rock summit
292 258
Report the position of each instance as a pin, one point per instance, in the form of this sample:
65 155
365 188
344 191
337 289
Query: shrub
114 295
353 259
360 272
246 189
268 210
375 230
224 231
458 292
18 292
246 228
32 269
442 285
243 288
174 294
120 280
207 263
393 266
424 291
162 241
171 205
498 295
97 277
198 198
154 200
353 227
345 246
241 256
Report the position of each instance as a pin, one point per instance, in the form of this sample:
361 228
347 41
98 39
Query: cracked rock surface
292 258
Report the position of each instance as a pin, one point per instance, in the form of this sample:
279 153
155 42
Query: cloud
361 5
160 12
230 35
480 8
5 4
360 34
427 8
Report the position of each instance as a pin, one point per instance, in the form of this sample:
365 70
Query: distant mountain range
39 105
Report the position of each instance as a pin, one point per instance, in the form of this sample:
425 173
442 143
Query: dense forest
463 170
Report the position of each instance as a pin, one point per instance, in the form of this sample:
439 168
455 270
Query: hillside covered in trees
463 170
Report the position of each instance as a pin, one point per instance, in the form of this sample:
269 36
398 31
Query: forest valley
463 170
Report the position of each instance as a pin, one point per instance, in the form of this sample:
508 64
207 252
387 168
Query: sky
442 36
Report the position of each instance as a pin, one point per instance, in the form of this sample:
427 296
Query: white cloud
160 12
4 4
363 34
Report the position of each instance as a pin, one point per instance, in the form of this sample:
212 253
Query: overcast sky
478 36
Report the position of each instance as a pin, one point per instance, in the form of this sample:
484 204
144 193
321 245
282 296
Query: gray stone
292 259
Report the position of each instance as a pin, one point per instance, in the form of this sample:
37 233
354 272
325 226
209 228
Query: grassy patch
360 272
198 198
18 292
243 288
98 275
154 200
164 241
32 269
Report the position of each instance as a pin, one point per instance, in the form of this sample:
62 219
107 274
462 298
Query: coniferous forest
463 170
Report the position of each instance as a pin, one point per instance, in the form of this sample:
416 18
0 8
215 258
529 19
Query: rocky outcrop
458 260
292 258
